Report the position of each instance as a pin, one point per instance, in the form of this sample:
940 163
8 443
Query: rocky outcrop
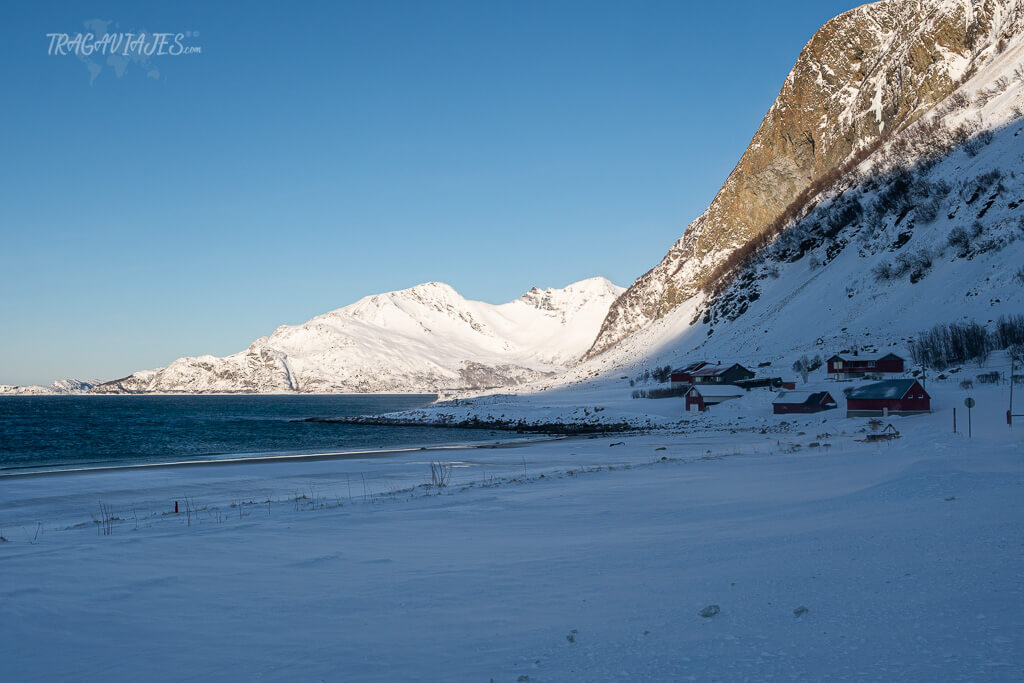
869 71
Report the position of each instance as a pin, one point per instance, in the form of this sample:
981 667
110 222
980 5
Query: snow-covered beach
578 558
789 449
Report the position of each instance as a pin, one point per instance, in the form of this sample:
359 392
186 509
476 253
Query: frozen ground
907 556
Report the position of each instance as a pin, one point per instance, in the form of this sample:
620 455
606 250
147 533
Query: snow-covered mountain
919 226
61 386
864 76
426 338
924 226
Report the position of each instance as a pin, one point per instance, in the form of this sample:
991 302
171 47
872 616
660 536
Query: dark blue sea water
60 432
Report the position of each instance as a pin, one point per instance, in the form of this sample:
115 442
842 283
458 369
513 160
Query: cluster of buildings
705 384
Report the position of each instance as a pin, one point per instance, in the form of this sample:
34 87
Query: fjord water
63 432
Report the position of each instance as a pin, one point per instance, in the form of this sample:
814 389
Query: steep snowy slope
424 338
867 73
928 229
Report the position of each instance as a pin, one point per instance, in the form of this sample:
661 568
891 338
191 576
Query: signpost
969 402
1013 372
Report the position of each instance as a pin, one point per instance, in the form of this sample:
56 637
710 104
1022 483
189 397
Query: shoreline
370 454
549 428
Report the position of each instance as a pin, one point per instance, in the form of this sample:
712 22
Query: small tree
802 366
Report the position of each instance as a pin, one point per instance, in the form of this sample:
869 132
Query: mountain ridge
867 72
424 338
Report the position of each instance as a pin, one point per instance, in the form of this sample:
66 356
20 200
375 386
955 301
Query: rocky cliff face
870 71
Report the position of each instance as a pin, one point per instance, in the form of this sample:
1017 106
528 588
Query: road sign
969 402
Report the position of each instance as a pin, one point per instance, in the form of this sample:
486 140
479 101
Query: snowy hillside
865 74
61 386
424 339
927 229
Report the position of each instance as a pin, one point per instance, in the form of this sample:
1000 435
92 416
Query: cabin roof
812 398
887 389
696 365
713 370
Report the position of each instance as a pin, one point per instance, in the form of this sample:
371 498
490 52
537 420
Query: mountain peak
421 339
864 75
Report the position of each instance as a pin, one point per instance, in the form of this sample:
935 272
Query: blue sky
312 154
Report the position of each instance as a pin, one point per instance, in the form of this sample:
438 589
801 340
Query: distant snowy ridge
61 386
423 339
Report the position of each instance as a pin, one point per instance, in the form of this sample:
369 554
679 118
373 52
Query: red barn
803 402
839 367
890 397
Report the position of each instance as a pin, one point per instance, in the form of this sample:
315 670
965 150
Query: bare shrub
950 343
671 392
960 241
662 374
961 134
1008 332
883 271
106 520
978 142
917 264
802 366
440 474
960 100
928 210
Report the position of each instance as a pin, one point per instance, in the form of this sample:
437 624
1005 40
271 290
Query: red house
702 397
889 397
803 402
685 375
840 368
